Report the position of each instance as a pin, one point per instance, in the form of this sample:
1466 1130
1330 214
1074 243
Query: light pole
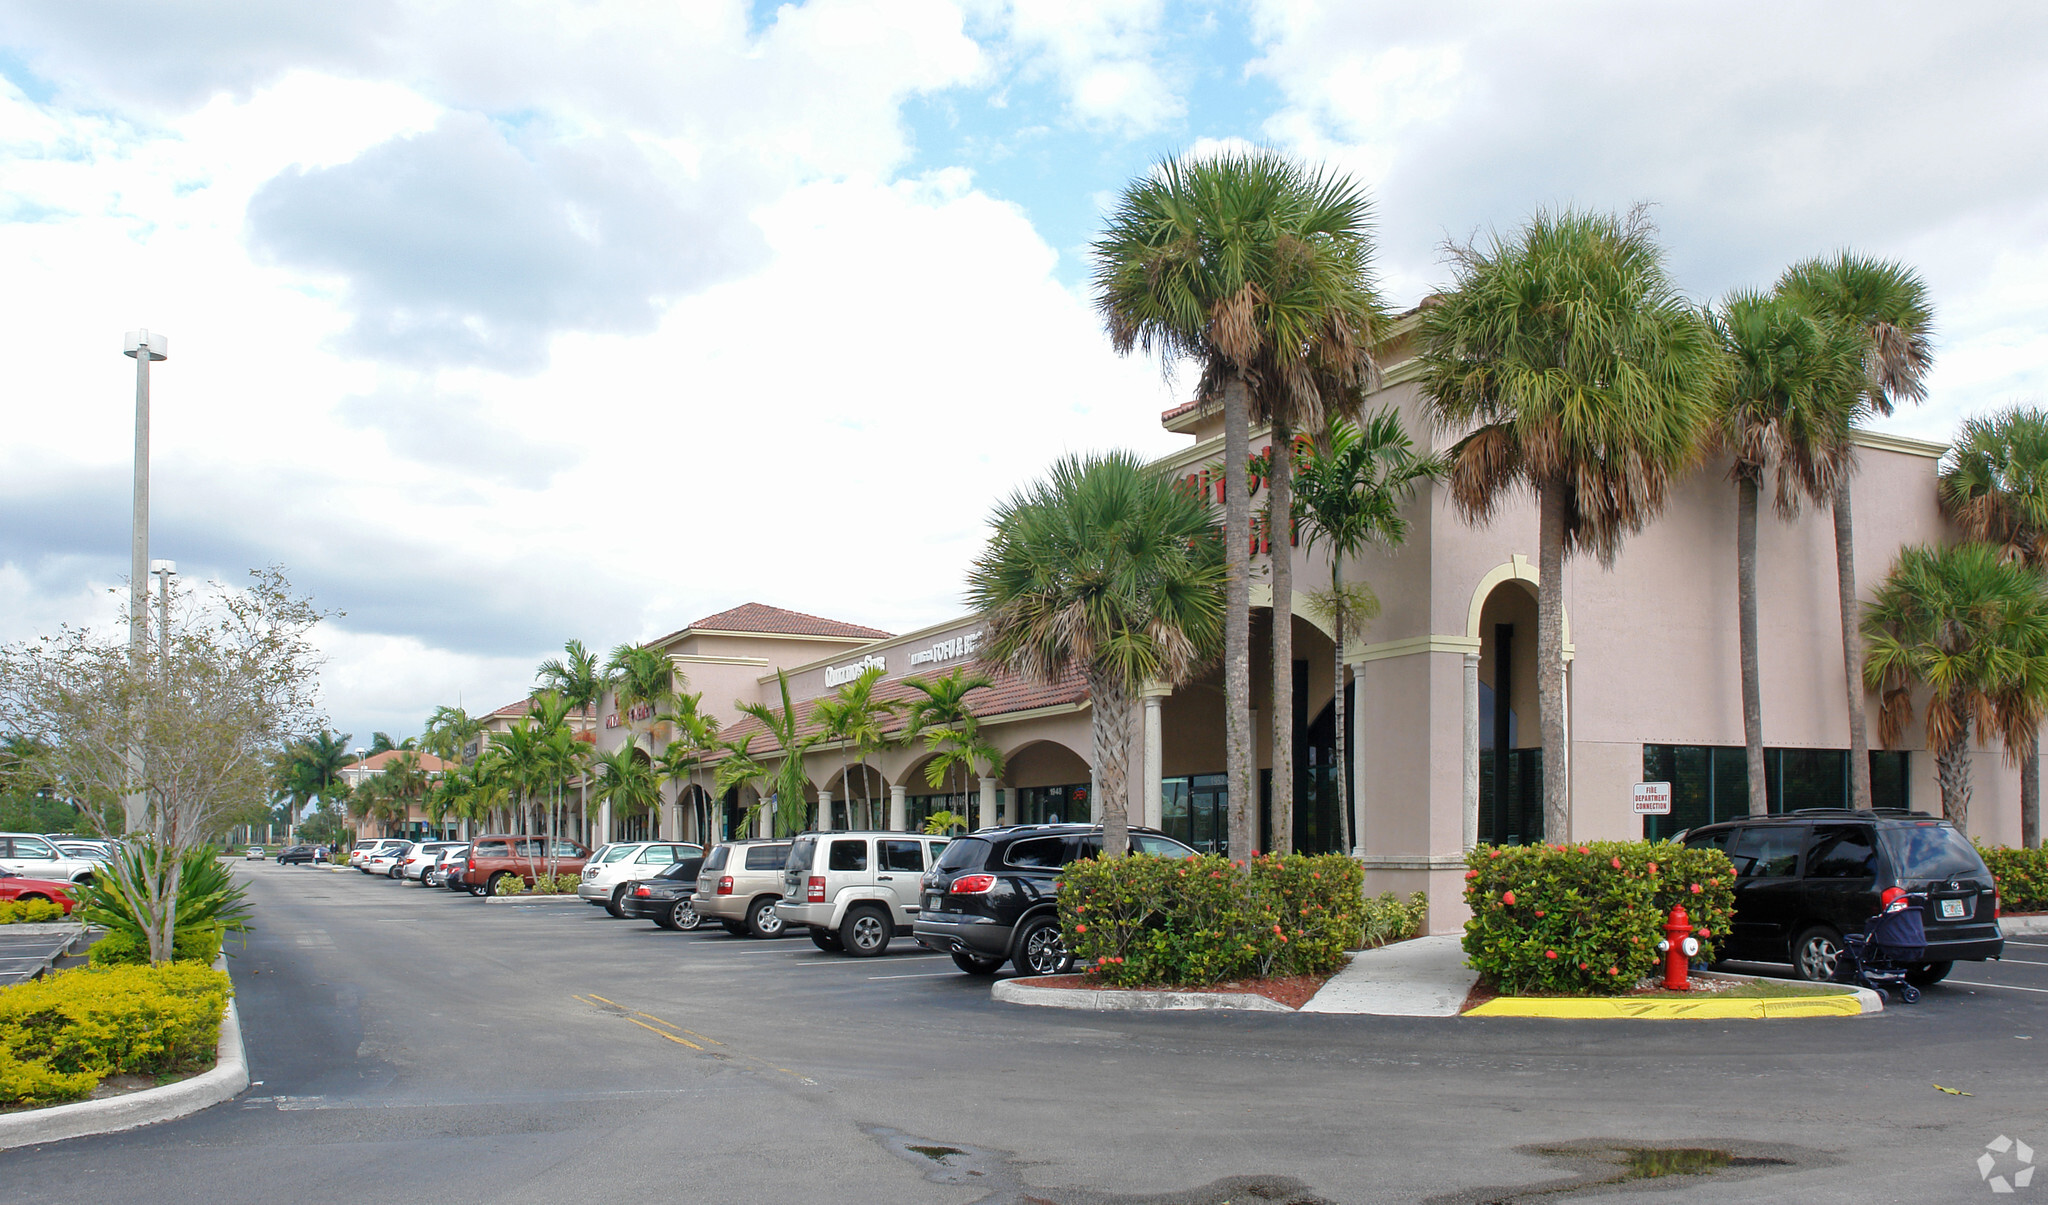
144 347
163 572
359 776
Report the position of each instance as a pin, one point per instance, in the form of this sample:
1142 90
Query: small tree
787 778
948 727
190 722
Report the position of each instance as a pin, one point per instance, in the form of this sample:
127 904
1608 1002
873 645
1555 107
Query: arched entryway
1044 783
1510 735
860 798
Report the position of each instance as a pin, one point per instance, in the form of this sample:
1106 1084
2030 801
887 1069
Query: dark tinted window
1931 851
717 859
1767 851
801 852
1716 839
963 854
1037 852
684 871
767 857
903 855
1842 852
848 855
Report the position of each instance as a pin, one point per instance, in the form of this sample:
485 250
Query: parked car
606 874
365 850
855 891
994 895
296 854
417 859
1805 878
436 873
491 859
253 854
39 858
91 851
386 861
739 884
665 898
14 887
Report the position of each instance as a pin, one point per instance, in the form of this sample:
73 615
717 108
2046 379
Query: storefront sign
640 711
1653 799
840 675
947 650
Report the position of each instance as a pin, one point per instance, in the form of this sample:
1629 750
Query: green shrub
196 943
59 1035
1389 918
29 912
208 901
560 884
2021 875
1587 918
1204 919
508 884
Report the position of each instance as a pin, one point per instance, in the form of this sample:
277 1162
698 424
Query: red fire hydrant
1678 947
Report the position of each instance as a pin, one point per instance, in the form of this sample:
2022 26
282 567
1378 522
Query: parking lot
413 1044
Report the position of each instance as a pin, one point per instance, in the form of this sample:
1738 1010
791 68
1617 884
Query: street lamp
163 572
144 347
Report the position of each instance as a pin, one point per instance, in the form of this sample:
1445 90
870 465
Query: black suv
1805 878
993 897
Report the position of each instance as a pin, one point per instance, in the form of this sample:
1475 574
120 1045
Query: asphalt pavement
413 1045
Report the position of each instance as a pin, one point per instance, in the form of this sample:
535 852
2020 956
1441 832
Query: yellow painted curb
1656 1009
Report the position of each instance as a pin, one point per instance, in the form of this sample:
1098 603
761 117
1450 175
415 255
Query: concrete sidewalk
1425 977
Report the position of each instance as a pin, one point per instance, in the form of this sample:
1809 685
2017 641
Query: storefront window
1052 805
1710 783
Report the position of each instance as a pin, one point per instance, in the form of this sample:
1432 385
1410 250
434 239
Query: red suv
493 859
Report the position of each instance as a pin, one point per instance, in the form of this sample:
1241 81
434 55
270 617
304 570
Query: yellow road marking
594 999
660 1033
1638 1008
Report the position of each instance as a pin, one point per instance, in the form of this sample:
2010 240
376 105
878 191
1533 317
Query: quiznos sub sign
840 675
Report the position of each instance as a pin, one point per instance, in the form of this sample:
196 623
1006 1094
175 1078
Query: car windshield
963 852
1931 851
800 851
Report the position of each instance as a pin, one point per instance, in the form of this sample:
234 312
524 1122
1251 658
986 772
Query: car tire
1927 974
762 921
618 893
1817 954
683 917
491 886
826 940
735 927
1041 950
865 931
975 964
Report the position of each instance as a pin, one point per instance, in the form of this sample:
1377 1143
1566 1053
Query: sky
498 324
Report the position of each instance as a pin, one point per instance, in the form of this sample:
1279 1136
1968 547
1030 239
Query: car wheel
685 918
762 920
826 940
865 932
734 927
1041 950
24 898
975 964
1926 974
491 887
618 893
1816 954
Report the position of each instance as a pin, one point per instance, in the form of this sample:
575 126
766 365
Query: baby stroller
1878 957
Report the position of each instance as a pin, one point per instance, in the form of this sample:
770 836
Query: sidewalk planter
2021 875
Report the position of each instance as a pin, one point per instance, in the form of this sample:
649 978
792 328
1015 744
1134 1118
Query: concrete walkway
1426 977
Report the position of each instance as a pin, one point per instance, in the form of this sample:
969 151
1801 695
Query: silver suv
855 891
739 884
609 870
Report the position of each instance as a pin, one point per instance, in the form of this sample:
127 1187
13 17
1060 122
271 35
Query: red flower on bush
1584 967
1614 970
1695 888
1539 912
1615 862
1653 868
1470 875
1550 953
1508 898
1584 850
1706 932
1080 928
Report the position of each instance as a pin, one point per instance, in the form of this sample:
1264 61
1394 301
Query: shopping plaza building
1441 687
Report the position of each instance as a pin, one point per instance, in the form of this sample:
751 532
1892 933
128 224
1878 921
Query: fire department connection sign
1653 799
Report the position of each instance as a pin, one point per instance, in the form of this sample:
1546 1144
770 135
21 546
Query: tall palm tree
960 747
522 764
577 677
1354 483
626 780
1253 267
449 734
857 720
942 716
788 777
1792 393
637 674
695 735
1886 303
1111 568
1995 484
1578 371
738 767
312 769
1971 628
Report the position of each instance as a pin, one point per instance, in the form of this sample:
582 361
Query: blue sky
503 323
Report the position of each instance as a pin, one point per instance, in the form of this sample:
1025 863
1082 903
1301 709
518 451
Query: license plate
1951 909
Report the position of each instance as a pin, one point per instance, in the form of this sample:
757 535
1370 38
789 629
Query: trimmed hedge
199 943
1149 921
2022 877
1587 918
61 1034
29 912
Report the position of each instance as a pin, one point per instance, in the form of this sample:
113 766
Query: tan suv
739 884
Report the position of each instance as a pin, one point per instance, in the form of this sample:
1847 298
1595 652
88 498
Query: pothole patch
997 1174
1598 1166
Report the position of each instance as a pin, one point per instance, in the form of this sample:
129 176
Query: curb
536 899
1027 991
79 1119
1849 1002
2031 925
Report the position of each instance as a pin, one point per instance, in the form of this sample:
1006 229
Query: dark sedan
297 853
665 898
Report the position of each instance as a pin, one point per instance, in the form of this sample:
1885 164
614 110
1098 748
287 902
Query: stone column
1154 760
764 820
824 811
1357 751
988 804
1094 799
899 808
604 823
1471 753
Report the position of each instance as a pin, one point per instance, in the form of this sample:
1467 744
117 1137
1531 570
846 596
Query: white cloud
1103 54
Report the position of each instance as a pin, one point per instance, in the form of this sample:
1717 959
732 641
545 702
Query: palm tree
1253 267
1995 484
1353 484
637 674
1578 371
1787 412
381 742
1971 627
578 678
626 781
856 719
960 746
1111 568
1886 304
943 716
738 767
696 733
787 777
312 769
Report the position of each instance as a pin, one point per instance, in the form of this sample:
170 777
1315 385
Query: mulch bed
1291 990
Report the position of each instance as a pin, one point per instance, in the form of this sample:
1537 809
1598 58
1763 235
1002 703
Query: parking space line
919 975
2009 987
2025 962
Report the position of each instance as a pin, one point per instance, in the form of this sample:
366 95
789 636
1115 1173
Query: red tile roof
1010 693
760 617
377 761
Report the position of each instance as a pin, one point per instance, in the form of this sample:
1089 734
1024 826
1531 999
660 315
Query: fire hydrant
1678 947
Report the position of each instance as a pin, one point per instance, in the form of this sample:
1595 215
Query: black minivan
1804 878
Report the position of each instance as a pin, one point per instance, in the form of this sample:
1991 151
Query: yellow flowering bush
59 1035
